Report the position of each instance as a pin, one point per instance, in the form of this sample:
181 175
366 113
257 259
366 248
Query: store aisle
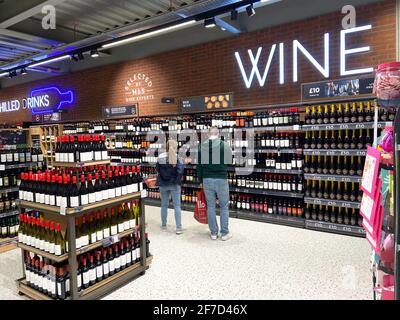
262 261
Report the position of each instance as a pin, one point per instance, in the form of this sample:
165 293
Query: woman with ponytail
170 171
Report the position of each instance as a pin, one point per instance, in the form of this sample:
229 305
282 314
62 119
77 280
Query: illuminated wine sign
323 67
41 101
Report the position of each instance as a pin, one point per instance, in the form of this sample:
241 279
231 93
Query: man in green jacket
212 169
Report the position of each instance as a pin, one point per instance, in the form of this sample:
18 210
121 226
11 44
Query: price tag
330 178
319 225
345 179
347 229
296 127
332 203
331 153
360 126
344 153
2 167
332 227
316 153
329 127
344 126
346 205
143 193
314 128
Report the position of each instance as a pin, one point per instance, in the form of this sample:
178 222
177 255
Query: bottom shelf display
133 270
98 265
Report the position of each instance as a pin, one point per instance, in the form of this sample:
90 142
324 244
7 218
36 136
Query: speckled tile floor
261 261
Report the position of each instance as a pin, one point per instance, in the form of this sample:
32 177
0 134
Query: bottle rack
67 216
48 140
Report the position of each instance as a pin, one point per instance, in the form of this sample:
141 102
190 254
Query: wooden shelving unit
67 216
80 164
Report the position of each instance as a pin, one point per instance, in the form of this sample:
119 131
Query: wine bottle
339 114
361 112
361 141
346 142
347 114
333 116
354 113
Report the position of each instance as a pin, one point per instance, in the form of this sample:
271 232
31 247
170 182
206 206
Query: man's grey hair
213 131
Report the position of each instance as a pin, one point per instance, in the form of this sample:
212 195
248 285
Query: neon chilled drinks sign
41 101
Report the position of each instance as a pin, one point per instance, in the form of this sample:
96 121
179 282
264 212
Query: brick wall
212 68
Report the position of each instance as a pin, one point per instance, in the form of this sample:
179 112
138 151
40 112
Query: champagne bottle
314 212
339 143
353 113
319 166
346 194
346 218
307 116
333 214
369 115
313 189
339 114
368 139
326 190
333 190
346 114
361 141
320 189
313 143
339 194
313 116
345 167
326 115
353 194
307 211
333 116
332 140
321 213
360 166
353 140
361 112
340 216
325 167
319 115
352 168
326 142
346 142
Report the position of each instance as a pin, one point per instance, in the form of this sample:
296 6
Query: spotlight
209 23
250 10
12 74
73 57
23 71
80 56
94 54
234 14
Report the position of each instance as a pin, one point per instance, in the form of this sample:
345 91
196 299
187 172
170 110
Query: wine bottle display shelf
80 164
327 177
9 190
270 218
9 213
18 166
77 210
253 191
298 151
99 244
335 228
333 203
312 152
344 126
99 289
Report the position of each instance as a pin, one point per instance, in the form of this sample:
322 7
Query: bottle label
92 197
92 275
57 250
135 187
112 265
275 186
52 200
138 252
85 240
104 155
124 190
99 272
79 281
123 260
114 230
111 193
106 269
78 243
93 237
278 166
118 192
294 164
128 257
117 262
126 225
71 157
106 233
121 227
85 199
132 223
74 201
283 166
134 255
284 186
141 186
99 195
41 245
98 155
99 235
41 197
86 277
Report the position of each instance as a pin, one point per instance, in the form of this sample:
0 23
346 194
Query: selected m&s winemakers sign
139 88
41 101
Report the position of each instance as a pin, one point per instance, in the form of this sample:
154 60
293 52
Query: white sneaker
226 237
214 237
179 231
